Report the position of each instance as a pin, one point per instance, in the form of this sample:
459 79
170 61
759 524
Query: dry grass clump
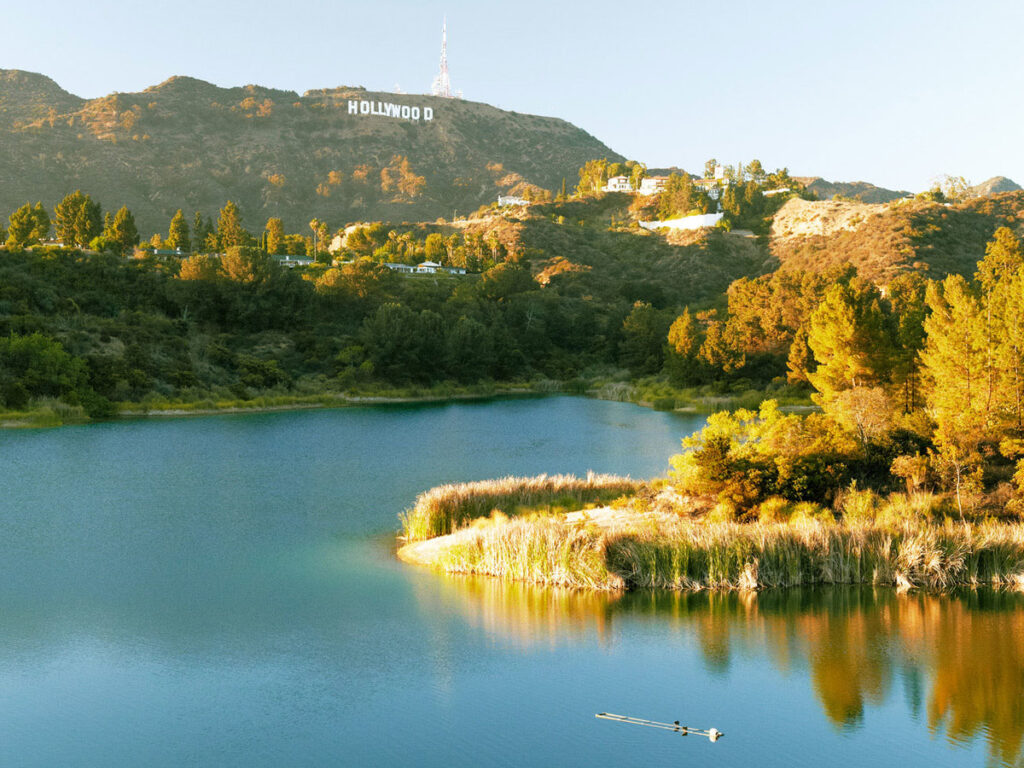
812 550
541 549
686 554
444 509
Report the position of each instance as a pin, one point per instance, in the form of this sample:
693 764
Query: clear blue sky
890 92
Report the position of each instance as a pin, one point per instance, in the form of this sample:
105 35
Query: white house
427 268
652 185
712 186
401 267
512 200
618 184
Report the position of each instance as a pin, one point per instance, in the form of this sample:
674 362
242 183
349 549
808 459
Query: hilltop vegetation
882 241
189 144
91 328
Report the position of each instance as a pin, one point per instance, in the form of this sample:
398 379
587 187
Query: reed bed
684 554
540 549
446 508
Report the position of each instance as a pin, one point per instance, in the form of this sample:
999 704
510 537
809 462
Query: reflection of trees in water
959 659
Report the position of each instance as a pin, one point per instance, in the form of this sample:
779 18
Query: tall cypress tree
177 233
229 227
124 231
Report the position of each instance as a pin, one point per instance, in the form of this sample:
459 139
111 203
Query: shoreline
628 546
54 413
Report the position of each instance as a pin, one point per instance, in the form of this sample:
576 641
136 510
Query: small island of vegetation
909 473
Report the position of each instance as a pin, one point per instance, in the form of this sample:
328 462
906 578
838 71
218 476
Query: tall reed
692 555
444 509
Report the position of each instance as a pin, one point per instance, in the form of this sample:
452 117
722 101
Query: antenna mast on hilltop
442 85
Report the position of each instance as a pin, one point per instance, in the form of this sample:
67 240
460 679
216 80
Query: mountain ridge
185 143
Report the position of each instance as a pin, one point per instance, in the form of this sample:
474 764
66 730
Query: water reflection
956 661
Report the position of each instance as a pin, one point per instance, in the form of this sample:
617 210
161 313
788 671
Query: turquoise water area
222 591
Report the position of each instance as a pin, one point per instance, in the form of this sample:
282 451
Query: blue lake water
222 591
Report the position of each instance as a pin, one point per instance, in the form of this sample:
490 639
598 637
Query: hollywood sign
387 109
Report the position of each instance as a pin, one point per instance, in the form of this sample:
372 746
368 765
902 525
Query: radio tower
442 85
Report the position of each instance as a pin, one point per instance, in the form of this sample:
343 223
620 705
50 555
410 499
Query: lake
222 591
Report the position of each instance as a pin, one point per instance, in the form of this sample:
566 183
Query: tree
434 248
684 341
637 174
954 362
41 219
801 358
593 176
201 232
709 168
38 366
756 171
275 236
123 230
22 228
230 231
319 234
243 264
643 339
199 266
1004 255
847 334
718 351
78 219
177 233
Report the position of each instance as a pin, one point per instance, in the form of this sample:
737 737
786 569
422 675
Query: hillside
854 190
883 240
189 144
993 186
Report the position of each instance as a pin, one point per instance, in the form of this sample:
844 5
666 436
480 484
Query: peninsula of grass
904 541
443 510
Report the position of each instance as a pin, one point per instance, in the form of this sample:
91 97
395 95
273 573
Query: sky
895 93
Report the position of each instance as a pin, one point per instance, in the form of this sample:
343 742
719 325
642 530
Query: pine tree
41 219
1003 256
847 334
229 227
954 357
801 359
177 233
684 342
22 224
907 299
718 351
123 230
78 219
275 236
199 231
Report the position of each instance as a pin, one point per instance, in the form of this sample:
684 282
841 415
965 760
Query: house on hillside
652 185
504 200
618 184
428 268
404 268
291 262
712 186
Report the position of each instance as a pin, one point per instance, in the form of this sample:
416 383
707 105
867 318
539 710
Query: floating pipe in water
713 734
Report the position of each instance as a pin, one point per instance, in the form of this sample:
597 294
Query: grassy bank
656 392
56 413
625 548
443 509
